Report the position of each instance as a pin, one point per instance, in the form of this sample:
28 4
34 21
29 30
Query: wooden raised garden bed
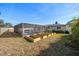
37 37
29 38
33 38
49 35
52 34
45 36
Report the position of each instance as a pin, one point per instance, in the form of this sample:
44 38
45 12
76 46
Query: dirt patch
21 47
10 34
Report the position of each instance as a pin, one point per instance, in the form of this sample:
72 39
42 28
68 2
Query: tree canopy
75 30
8 25
2 24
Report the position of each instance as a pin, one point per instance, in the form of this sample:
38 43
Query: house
28 29
56 26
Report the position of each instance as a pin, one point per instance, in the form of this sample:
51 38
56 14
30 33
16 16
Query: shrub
60 31
75 32
67 32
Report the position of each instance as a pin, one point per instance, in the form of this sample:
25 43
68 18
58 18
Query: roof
28 25
54 25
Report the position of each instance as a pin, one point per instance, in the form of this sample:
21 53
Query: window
58 27
28 32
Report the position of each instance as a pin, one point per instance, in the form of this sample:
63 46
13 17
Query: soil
21 47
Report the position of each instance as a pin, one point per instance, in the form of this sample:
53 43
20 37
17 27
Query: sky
38 13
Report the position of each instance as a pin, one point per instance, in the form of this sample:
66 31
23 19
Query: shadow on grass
60 48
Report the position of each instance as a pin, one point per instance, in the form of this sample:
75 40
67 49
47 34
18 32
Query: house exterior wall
39 29
55 27
61 28
68 27
18 29
28 29
31 31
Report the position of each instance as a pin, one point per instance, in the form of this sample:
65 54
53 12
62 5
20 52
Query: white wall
2 30
69 29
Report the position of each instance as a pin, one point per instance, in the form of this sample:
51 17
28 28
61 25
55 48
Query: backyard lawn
20 46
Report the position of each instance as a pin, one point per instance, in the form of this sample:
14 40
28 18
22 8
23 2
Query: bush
67 32
75 32
60 31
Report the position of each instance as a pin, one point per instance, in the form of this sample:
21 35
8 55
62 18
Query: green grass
58 35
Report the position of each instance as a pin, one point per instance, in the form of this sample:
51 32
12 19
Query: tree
1 23
72 22
75 30
8 25
56 22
